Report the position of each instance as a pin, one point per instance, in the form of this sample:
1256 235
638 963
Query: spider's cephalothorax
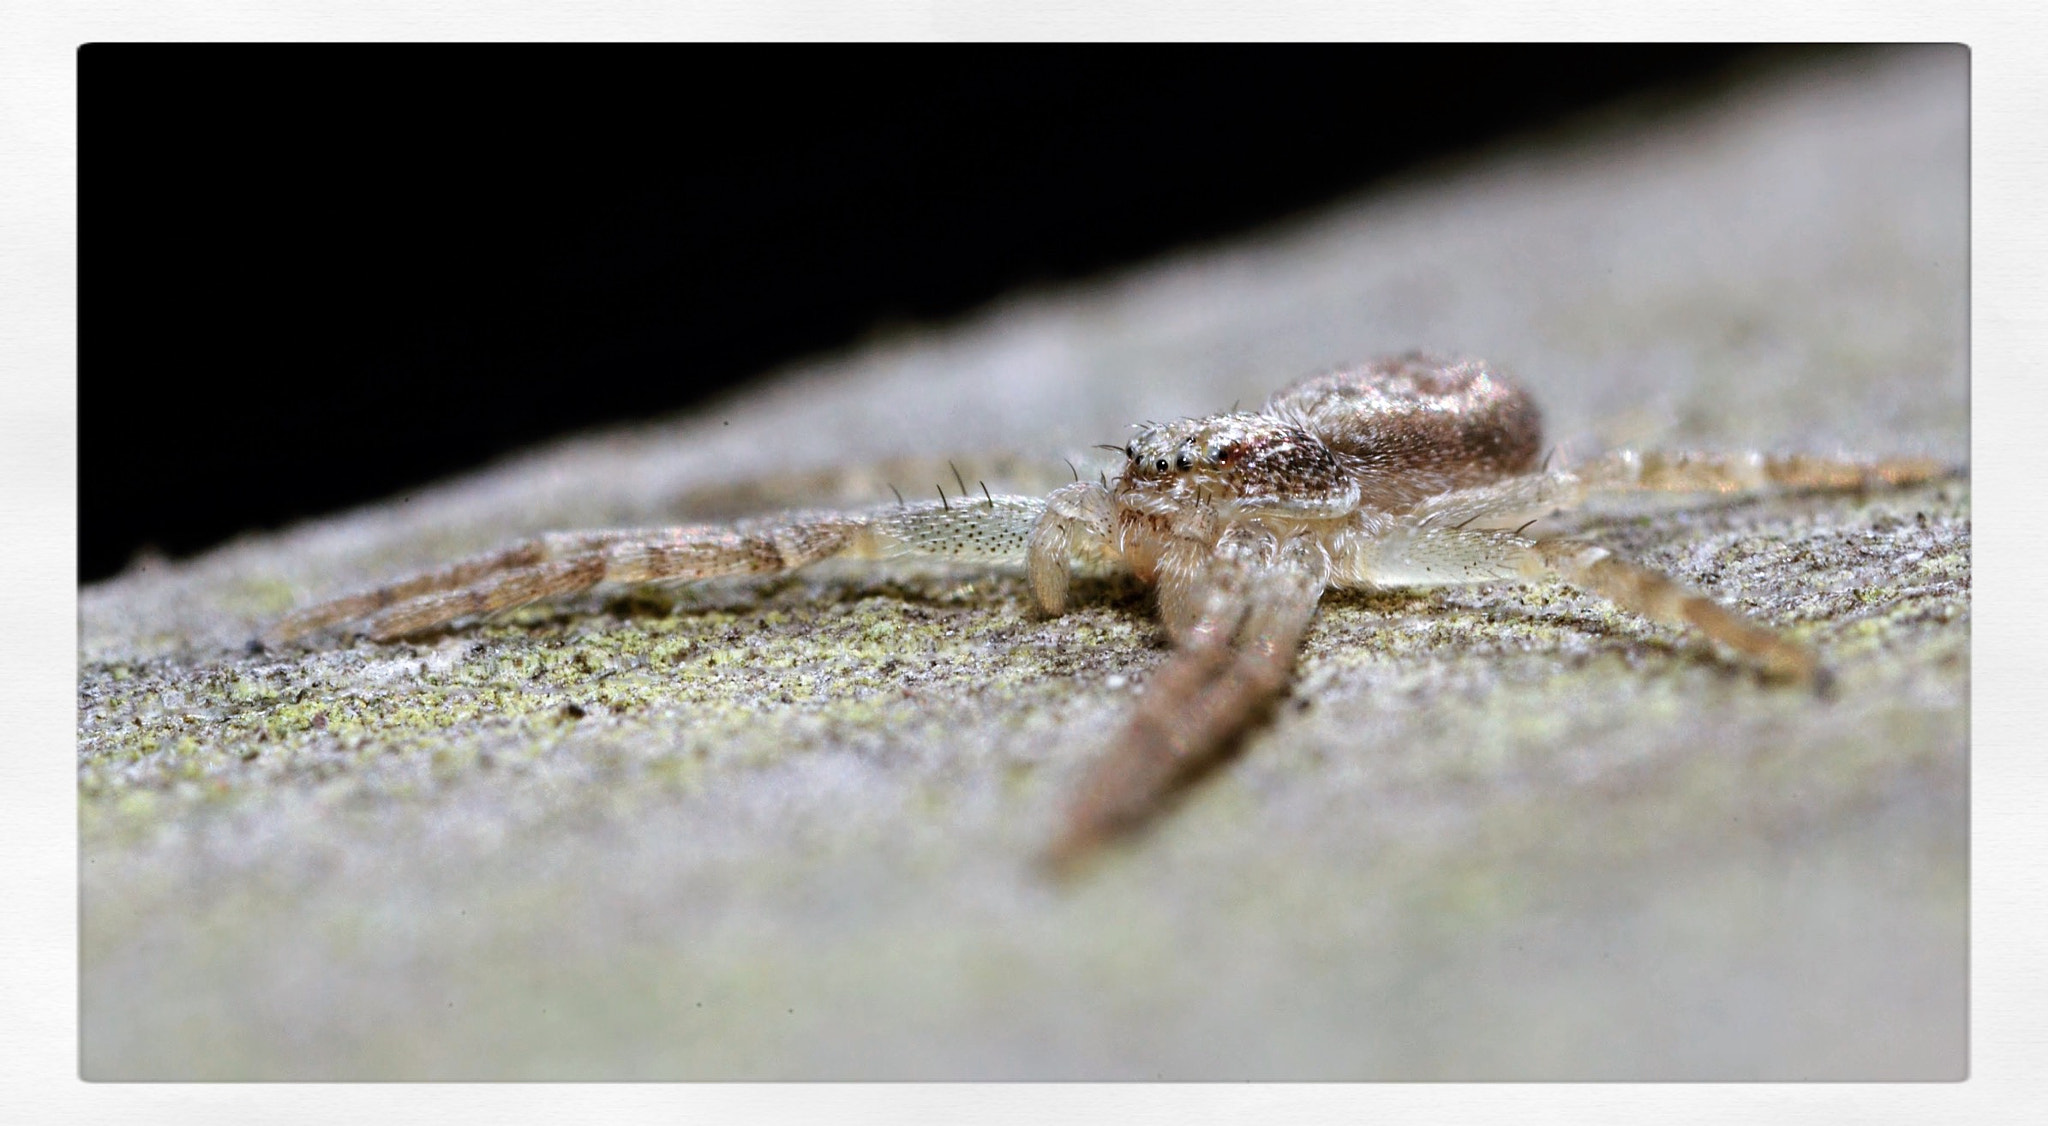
1409 471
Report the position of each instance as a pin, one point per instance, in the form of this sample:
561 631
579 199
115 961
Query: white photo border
38 510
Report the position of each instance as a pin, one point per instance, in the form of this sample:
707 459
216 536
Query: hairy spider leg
991 530
1458 538
1447 541
1253 604
1078 521
1753 471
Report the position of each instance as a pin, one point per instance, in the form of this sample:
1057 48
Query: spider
1409 471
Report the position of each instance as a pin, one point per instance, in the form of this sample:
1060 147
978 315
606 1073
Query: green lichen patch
690 690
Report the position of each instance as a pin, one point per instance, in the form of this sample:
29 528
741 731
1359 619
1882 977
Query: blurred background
308 255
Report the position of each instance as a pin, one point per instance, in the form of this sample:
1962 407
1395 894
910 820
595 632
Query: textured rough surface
781 829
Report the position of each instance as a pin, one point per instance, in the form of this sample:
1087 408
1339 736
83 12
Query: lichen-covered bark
784 828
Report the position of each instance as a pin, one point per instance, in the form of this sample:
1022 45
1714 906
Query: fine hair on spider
1409 471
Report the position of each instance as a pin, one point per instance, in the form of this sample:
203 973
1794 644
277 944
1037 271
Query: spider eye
1160 465
1183 463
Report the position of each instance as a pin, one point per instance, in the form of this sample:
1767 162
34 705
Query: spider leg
525 556
1749 471
1658 597
1415 552
1077 520
1230 662
1507 504
565 563
992 530
1457 537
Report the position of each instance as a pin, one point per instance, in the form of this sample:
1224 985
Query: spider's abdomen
1409 427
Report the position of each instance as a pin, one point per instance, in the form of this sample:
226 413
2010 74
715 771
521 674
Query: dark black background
311 276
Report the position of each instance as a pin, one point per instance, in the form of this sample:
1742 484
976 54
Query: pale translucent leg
988 530
1749 471
566 563
1661 599
1418 553
1077 521
1253 604
1461 537
1512 503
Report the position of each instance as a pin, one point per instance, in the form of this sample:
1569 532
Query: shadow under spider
966 590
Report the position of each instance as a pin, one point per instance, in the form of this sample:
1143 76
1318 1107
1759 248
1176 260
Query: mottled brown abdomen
1416 425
